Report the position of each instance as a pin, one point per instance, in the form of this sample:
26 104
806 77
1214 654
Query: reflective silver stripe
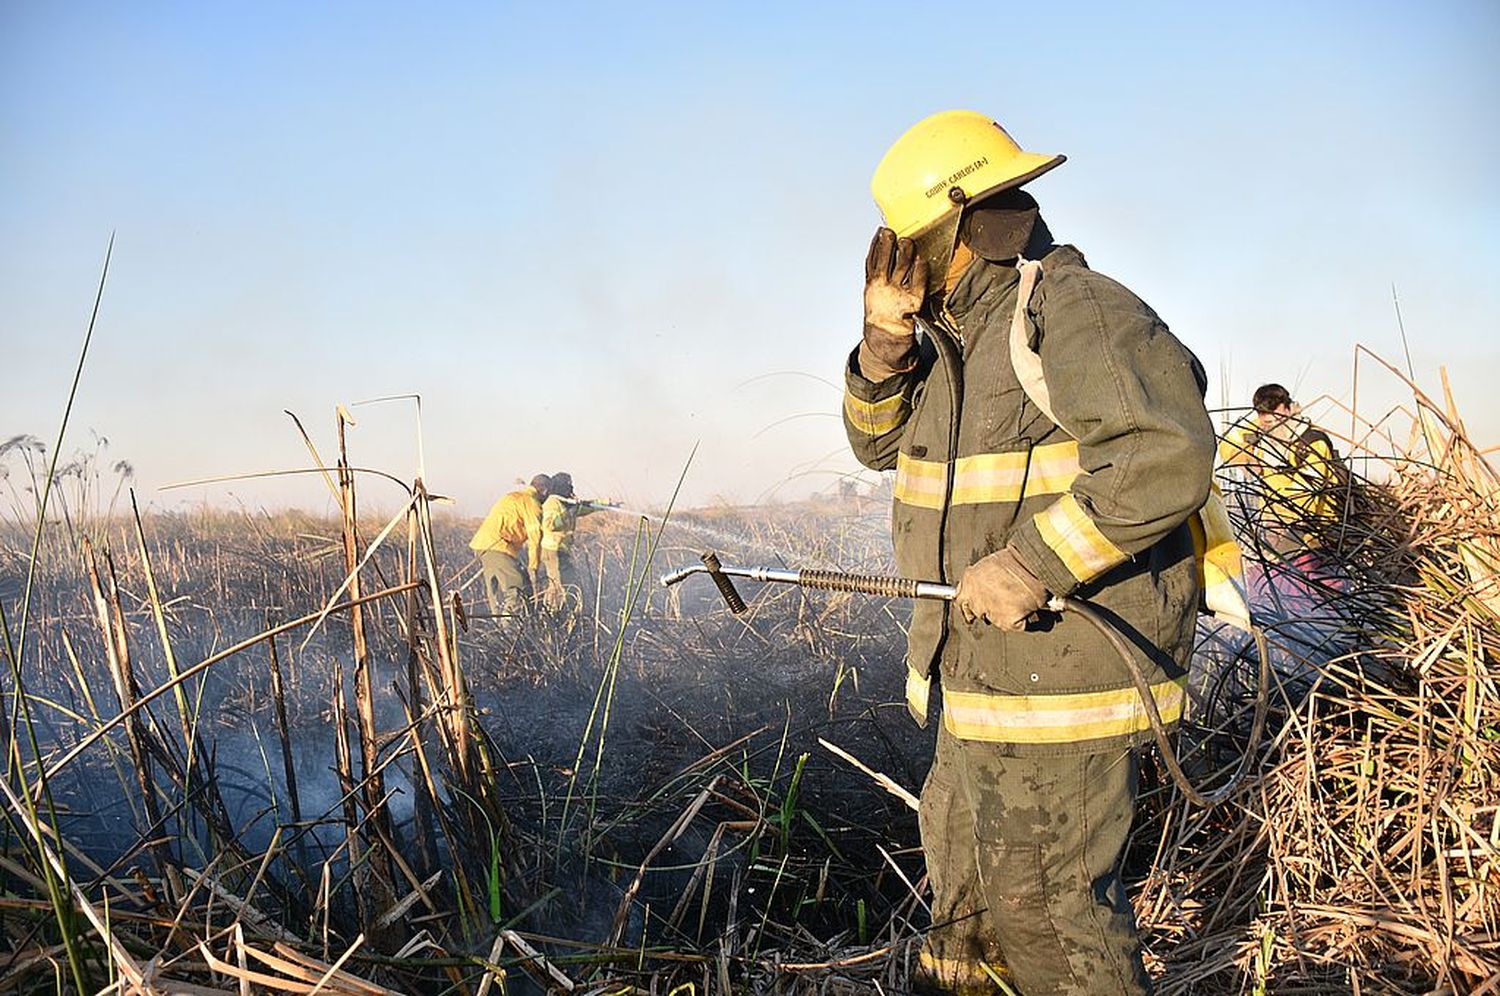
1068 717
983 478
920 482
918 691
1071 534
876 418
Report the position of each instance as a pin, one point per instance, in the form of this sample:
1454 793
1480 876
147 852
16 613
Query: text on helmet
957 175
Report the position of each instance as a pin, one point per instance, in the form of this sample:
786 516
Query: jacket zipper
949 335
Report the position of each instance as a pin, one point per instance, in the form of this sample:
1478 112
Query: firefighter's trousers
504 582
1023 854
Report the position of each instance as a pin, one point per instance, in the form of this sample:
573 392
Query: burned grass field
264 753
246 776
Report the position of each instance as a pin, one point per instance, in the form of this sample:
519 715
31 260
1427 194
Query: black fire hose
898 587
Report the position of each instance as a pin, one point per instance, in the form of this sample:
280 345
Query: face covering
1000 228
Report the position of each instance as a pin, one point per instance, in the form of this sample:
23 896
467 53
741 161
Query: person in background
1300 473
514 522
560 514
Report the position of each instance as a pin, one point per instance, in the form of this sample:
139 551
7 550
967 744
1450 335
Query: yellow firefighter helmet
944 162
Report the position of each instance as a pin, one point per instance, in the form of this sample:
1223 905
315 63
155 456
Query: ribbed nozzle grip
721 581
865 584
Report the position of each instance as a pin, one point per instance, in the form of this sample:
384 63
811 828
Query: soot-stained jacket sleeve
876 412
1132 395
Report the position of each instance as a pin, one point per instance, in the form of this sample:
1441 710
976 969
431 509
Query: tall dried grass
1365 859
273 753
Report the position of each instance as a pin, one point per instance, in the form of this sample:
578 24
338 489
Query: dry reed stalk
294 977
119 957
418 888
455 700
378 872
420 892
348 790
424 830
492 971
117 653
284 737
883 780
548 974
243 908
703 872
678 827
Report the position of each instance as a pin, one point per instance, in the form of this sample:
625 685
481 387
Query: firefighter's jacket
1097 506
560 521
1302 477
514 520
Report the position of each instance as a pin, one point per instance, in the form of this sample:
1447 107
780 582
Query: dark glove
1001 590
895 286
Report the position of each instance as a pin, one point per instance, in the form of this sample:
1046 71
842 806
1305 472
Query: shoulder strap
1301 447
1026 361
1220 566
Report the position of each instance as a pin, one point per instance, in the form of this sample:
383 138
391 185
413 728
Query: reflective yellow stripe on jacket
1061 718
876 418
918 692
1072 535
988 477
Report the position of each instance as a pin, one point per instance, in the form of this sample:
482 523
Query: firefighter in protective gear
1048 436
560 514
514 521
1301 474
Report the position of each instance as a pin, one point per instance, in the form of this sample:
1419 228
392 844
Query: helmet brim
1042 165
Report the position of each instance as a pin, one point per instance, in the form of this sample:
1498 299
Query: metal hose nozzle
865 584
721 581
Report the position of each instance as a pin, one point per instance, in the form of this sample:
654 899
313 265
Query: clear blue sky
584 233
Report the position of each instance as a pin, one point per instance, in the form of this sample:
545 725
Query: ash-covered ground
660 762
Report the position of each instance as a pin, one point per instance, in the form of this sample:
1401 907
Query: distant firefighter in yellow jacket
560 514
513 522
1299 470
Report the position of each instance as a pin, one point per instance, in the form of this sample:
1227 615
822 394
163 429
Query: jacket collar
985 282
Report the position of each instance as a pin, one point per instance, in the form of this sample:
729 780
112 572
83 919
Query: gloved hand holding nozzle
895 286
1001 590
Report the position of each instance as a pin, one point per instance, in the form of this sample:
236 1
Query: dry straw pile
1364 859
